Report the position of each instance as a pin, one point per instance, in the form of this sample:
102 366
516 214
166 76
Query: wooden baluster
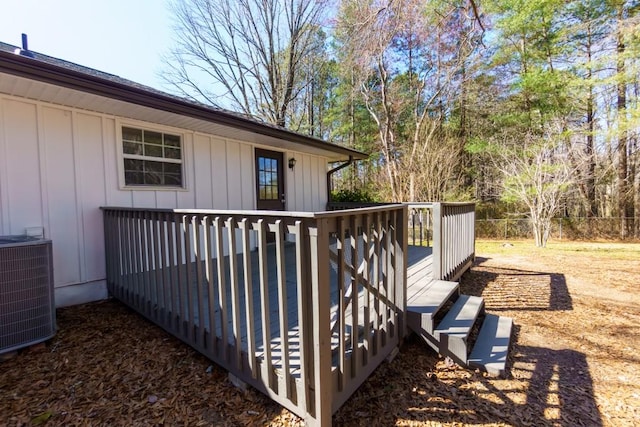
302 266
222 289
235 292
283 389
211 344
267 362
248 297
342 304
200 337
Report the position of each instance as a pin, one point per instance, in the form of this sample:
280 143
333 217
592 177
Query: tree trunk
623 178
590 184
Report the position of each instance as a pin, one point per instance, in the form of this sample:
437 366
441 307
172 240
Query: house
74 139
214 227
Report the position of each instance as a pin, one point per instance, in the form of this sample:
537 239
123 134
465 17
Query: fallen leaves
109 366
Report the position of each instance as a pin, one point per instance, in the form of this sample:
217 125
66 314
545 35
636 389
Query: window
151 158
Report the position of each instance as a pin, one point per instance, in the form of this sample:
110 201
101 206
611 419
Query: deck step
453 331
423 308
492 346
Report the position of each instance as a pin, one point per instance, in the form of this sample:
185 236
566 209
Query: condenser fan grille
27 310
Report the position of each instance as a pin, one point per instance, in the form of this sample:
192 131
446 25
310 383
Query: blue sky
122 37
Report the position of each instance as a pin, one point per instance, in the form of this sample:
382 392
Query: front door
269 180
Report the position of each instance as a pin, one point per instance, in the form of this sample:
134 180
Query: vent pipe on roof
25 48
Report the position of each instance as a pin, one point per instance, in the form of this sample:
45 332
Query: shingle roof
52 69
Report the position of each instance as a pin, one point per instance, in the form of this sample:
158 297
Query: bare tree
407 57
535 171
244 52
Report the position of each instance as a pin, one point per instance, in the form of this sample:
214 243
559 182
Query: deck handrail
453 239
212 279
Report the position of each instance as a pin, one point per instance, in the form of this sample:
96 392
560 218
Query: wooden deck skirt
302 306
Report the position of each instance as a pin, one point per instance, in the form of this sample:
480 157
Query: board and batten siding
58 165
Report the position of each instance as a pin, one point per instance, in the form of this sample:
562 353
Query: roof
50 70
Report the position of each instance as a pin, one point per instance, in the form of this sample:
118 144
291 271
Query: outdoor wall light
292 163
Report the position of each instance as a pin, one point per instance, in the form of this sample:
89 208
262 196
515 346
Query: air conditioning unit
27 308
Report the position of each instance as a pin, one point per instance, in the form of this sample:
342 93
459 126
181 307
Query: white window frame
122 156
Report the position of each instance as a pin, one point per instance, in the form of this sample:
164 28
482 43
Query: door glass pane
268 178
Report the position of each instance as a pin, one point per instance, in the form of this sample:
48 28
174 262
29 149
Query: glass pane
261 163
152 150
173 179
133 178
173 168
153 137
132 148
130 134
153 167
133 165
172 153
152 178
172 140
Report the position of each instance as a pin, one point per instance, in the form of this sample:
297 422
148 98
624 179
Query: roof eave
48 73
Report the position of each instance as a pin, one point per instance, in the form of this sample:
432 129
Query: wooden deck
306 319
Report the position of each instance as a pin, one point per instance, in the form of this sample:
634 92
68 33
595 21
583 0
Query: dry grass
575 360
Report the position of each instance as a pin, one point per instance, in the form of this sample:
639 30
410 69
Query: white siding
63 220
92 189
58 165
22 165
202 171
306 183
218 174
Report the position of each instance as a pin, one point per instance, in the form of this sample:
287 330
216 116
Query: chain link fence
561 228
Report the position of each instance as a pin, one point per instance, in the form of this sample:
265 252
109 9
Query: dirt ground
575 360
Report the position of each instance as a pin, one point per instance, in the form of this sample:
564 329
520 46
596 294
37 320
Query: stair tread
460 319
492 346
429 302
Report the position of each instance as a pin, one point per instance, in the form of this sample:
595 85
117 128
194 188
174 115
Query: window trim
121 156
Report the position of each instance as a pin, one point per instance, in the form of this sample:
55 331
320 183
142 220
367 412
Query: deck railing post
437 241
320 295
401 268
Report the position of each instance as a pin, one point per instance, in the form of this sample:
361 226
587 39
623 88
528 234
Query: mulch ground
574 361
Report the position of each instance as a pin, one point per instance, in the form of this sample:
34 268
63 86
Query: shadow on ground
516 289
546 387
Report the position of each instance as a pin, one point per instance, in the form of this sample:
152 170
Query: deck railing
302 306
449 228
453 239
